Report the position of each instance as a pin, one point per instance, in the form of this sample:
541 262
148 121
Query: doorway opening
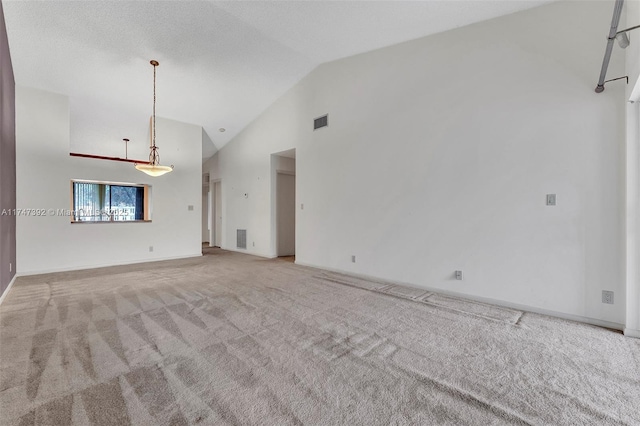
206 210
284 179
216 216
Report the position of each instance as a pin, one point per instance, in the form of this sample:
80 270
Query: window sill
96 222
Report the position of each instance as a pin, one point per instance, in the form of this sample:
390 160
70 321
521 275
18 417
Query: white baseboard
6 290
630 332
593 321
105 265
506 304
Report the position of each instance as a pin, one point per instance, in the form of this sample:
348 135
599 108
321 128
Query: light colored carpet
234 339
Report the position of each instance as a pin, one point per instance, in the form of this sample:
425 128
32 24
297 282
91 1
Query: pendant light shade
153 168
154 171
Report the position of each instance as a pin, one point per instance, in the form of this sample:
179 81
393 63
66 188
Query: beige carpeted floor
234 339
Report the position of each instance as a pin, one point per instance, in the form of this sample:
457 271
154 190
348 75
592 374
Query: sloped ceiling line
223 63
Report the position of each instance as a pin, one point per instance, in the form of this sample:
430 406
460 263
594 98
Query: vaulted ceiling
221 63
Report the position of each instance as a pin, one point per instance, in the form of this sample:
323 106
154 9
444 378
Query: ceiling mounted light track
153 168
622 38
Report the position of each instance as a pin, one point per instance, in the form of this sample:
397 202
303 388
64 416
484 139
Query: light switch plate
551 199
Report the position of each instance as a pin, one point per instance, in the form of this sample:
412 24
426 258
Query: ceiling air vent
321 122
241 237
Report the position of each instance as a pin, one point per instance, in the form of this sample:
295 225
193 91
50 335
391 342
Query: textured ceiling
221 63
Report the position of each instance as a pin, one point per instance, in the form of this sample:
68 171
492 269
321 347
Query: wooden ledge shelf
101 157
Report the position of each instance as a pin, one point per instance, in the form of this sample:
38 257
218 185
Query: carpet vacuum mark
234 339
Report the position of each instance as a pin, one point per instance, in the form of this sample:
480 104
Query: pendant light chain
154 157
153 167
154 105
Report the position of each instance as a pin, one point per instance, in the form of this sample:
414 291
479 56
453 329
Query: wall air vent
241 237
321 122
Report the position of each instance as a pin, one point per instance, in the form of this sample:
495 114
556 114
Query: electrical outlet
10 266
459 275
150 248
607 297
551 199
254 244
353 259
190 208
302 206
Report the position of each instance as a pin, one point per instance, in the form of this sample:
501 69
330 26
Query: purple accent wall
7 160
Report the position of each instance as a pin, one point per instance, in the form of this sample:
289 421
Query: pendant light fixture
154 168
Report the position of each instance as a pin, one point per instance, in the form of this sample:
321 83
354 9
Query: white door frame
215 186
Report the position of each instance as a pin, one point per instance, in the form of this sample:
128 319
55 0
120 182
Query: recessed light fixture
222 129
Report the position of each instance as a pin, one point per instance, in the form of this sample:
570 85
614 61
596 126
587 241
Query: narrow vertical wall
632 170
7 162
207 167
205 214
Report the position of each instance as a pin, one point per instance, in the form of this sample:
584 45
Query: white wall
438 156
632 326
216 230
44 171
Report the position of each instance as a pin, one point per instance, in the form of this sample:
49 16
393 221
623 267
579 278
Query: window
109 202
